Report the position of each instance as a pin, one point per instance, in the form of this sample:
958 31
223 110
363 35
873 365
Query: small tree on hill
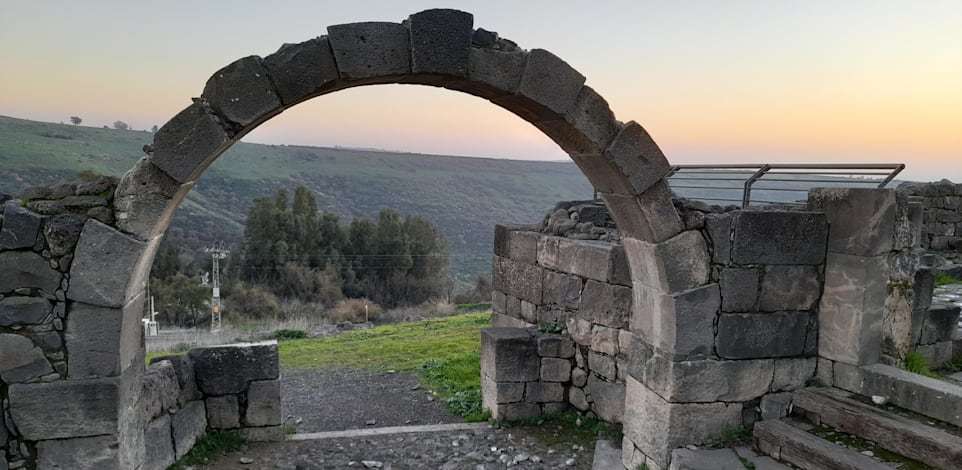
76 120
154 129
121 125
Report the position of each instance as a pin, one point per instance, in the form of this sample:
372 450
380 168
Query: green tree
76 120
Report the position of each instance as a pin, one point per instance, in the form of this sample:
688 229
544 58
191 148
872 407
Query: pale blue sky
712 81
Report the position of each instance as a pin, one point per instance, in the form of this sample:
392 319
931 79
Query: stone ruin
727 310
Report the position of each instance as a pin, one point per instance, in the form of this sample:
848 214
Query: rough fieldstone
498 302
188 424
604 340
608 399
159 444
554 345
221 370
577 398
46 207
141 215
550 82
939 323
520 280
498 393
223 412
650 216
602 365
263 404
563 290
102 265
579 377
184 370
24 269
20 227
499 320
302 70
555 370
779 237
85 453
529 311
775 405
509 355
543 392
147 178
65 408
937 353
863 220
680 324
656 426
579 330
21 360
719 228
789 288
605 304
159 389
62 232
185 145
98 339
757 335
675 265
850 312
24 311
242 92
922 288
516 242
512 307
792 374
739 289
440 41
82 203
372 49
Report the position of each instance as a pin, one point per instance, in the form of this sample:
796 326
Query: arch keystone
371 50
440 42
242 93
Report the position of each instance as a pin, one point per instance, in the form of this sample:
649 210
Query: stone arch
435 48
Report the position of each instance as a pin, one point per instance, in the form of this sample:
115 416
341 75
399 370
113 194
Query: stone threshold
312 436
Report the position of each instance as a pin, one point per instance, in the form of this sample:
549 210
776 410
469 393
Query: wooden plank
807 451
893 432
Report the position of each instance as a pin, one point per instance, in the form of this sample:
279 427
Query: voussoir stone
242 92
371 49
551 82
20 227
24 310
221 370
146 178
24 269
189 142
302 70
21 360
493 73
103 262
440 41
65 408
639 157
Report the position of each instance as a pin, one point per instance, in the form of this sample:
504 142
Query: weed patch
942 278
282 335
735 434
209 446
916 363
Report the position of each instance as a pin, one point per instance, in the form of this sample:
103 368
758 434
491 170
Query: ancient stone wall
942 215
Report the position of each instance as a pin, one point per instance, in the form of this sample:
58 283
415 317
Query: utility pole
216 254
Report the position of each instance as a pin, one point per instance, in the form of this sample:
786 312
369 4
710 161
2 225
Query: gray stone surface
775 405
223 412
605 304
509 355
607 455
301 70
602 365
550 82
578 399
792 374
62 232
850 312
585 258
93 336
372 49
159 444
242 92
637 155
494 73
757 335
186 382
555 345
20 227
263 434
676 265
863 220
922 288
682 324
939 323
85 453
228 369
263 403
595 122
790 288
515 411
543 392
739 289
608 399
440 39
555 370
520 280
702 381
563 290
930 397
23 269
65 408
779 237
103 263
656 427
498 393
188 424
604 340
719 228
24 311
658 219
186 144
21 360
147 178
704 459
159 389
516 242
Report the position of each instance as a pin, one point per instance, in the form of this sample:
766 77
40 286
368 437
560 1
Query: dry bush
353 310
433 308
252 302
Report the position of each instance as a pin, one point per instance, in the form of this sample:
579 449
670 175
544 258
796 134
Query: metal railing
773 183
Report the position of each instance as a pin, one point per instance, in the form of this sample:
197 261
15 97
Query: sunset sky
712 81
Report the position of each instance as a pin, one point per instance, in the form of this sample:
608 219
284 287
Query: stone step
792 445
934 398
738 458
891 431
607 455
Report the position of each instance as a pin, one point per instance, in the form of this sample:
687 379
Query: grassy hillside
465 197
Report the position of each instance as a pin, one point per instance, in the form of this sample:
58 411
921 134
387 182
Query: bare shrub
252 301
353 310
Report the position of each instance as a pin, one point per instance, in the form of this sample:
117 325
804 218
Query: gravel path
320 401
